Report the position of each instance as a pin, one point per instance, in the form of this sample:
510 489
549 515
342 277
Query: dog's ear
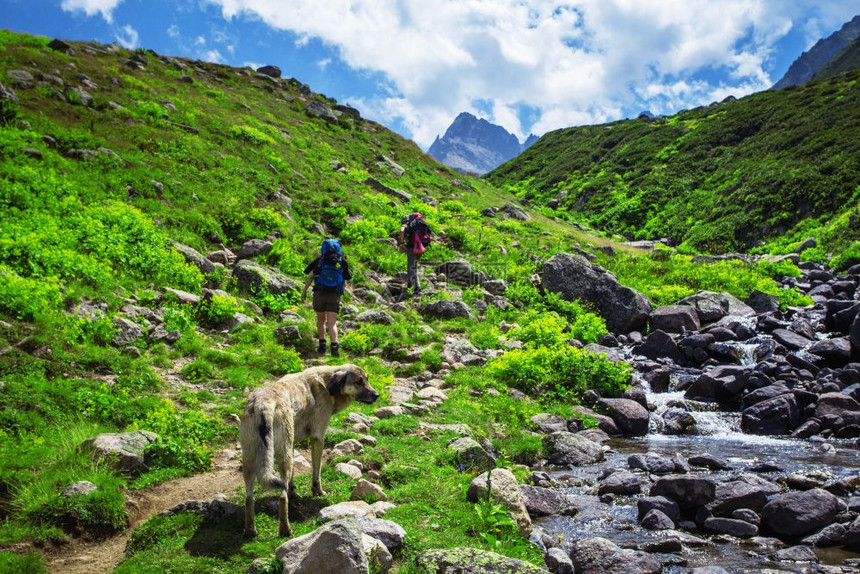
336 382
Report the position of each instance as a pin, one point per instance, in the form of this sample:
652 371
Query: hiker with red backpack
415 237
328 272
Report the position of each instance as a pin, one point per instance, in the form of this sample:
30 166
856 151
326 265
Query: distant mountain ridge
810 63
476 146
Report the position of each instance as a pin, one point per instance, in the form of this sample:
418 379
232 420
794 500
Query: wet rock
656 519
630 416
651 463
620 482
796 554
674 319
747 515
777 416
665 505
835 352
678 422
469 561
799 513
658 344
730 526
735 494
574 277
569 449
835 404
709 461
790 340
711 306
852 536
601 556
334 547
762 302
558 562
832 535
687 490
541 501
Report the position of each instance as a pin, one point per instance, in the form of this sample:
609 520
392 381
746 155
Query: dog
278 414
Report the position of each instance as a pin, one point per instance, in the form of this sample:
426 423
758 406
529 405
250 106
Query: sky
531 66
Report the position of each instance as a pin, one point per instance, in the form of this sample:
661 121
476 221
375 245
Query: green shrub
541 330
562 371
198 371
25 298
219 308
848 258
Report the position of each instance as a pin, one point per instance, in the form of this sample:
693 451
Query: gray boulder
651 463
541 501
674 319
730 526
122 451
835 404
391 534
735 494
252 248
503 488
687 490
514 211
666 506
711 306
254 277
471 455
80 488
460 272
798 513
630 416
194 257
656 519
558 562
779 415
573 277
621 482
445 309
600 556
568 449
852 536
335 547
377 316
270 70
469 561
125 332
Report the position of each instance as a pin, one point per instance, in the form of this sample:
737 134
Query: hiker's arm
347 274
402 242
307 284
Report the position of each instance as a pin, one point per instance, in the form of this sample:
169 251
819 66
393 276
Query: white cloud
92 7
173 31
211 56
127 37
323 64
200 41
574 62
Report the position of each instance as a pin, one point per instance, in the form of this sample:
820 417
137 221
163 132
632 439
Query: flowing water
719 435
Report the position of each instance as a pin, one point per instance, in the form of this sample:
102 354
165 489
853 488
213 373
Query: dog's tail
265 461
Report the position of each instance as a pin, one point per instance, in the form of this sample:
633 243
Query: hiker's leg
412 270
321 325
331 324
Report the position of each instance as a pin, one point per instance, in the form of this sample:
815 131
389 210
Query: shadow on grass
223 539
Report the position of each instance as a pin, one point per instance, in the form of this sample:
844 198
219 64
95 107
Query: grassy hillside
730 176
110 158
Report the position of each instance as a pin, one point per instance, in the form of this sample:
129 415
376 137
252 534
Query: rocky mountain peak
474 145
804 68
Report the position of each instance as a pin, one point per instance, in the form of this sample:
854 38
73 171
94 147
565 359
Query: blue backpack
330 271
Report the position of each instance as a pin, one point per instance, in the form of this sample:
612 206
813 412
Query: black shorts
324 302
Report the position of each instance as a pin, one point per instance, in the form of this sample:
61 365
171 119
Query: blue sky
528 65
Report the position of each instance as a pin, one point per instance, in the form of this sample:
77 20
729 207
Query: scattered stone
504 489
80 488
600 556
656 519
122 451
334 547
569 449
471 561
799 513
688 491
365 490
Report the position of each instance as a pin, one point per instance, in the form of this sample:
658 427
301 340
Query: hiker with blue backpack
328 273
415 237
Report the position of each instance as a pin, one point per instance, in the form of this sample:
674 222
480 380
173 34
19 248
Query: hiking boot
335 351
321 347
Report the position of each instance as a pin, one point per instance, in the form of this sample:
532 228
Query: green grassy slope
720 178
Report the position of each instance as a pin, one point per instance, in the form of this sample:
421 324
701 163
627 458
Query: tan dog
296 407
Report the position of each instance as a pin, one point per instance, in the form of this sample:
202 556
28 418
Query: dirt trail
102 556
